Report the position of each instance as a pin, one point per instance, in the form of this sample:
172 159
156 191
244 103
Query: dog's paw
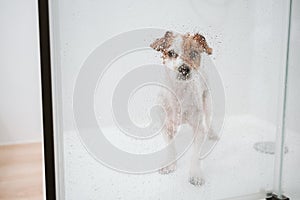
196 181
168 169
213 136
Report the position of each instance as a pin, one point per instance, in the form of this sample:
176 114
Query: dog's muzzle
183 72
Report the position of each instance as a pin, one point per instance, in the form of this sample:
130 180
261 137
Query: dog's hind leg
207 108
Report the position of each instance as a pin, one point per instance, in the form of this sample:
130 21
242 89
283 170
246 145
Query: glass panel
291 179
102 49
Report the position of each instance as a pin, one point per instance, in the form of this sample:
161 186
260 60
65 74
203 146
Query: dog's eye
172 54
193 54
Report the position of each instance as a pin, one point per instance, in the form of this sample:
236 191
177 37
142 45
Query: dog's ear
162 44
202 41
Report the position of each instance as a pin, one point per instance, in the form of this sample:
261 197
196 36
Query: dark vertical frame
45 62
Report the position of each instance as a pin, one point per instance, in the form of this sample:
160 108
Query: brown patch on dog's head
189 48
162 44
202 41
193 46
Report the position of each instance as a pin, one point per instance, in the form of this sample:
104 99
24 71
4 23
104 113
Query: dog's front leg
169 133
196 175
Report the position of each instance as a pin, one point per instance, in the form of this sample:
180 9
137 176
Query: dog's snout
184 69
184 72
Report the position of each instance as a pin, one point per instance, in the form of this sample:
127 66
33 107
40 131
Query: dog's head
182 53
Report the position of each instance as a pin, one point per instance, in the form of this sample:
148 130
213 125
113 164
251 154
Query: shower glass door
106 80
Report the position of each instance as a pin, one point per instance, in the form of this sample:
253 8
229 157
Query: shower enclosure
101 81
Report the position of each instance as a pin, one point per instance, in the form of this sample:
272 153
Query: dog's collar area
184 72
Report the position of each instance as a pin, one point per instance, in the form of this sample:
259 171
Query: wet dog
181 55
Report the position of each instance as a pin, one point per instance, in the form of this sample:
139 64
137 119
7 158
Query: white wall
20 112
20 105
246 37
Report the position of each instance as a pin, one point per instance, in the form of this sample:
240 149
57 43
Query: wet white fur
195 108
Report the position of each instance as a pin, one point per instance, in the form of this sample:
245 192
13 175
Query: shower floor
234 168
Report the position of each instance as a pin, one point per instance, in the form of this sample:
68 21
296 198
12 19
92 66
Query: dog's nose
184 72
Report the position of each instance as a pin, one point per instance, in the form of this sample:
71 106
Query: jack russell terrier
182 54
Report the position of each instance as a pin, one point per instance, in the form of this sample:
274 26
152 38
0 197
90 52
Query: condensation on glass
249 41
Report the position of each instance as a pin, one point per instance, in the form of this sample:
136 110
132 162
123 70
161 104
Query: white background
248 52
20 105
20 96
20 100
249 42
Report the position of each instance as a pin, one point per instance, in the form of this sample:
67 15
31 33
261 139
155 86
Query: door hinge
272 196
